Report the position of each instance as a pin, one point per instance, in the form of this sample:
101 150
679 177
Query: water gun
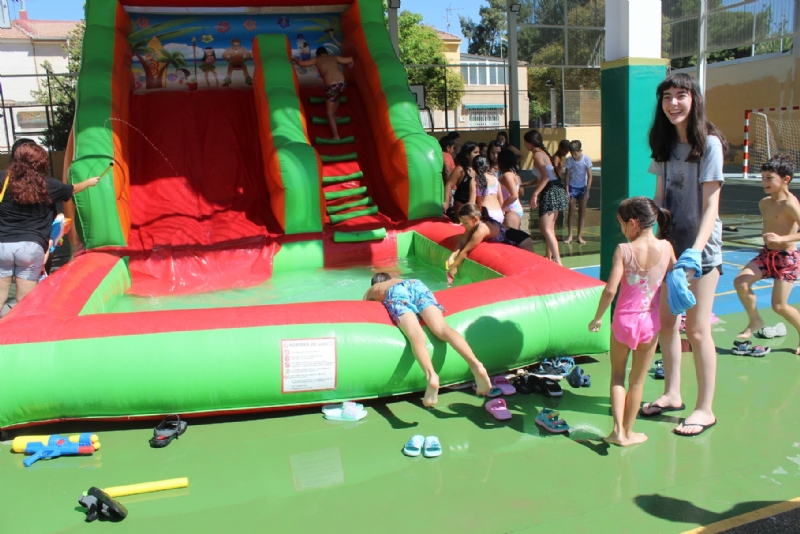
59 229
53 446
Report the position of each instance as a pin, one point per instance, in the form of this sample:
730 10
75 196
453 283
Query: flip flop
414 445
703 429
504 385
494 392
548 419
661 409
170 428
349 412
333 407
431 448
498 409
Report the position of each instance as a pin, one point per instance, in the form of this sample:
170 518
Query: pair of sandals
559 367
746 348
531 383
429 447
551 421
170 428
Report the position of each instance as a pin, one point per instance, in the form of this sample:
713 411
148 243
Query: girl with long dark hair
550 196
461 184
560 158
687 151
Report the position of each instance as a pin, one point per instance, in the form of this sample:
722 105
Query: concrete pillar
513 76
629 78
394 33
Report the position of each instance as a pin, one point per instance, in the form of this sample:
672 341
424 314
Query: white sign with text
308 364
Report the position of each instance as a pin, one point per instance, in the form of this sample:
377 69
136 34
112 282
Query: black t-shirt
30 222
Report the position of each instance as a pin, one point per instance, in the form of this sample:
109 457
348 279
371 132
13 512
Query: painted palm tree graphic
321 24
146 46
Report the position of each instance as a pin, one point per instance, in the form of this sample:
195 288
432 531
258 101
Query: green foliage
486 37
421 45
62 91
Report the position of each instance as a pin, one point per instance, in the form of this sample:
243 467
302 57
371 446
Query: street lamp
553 103
514 7
394 4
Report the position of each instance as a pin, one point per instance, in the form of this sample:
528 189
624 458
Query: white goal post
768 131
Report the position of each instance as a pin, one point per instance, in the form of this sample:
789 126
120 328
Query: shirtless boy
407 301
779 259
332 77
236 56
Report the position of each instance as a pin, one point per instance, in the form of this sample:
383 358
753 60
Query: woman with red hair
27 210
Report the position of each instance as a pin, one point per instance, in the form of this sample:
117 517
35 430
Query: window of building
484 115
484 73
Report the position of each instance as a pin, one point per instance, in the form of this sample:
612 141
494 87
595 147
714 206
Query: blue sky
433 11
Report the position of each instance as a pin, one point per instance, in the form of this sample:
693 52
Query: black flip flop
661 410
704 428
170 428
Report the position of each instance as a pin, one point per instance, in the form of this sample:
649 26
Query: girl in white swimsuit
487 191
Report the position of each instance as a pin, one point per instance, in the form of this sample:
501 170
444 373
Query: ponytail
664 219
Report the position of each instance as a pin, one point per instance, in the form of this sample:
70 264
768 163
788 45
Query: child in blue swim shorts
408 301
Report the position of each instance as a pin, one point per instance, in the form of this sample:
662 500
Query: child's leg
582 216
410 326
331 109
780 303
670 339
642 357
570 214
548 227
435 320
743 284
619 361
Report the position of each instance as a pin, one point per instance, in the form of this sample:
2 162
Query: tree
421 45
141 40
61 92
486 37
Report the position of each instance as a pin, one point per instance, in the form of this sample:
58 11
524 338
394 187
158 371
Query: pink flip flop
497 407
504 385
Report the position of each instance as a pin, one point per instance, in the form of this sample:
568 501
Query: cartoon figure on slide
209 65
333 78
236 56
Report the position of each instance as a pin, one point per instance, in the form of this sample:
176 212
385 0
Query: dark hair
377 278
454 135
481 146
462 158
503 133
645 211
493 144
213 53
186 72
563 148
446 142
480 165
575 146
27 174
506 161
18 143
781 164
664 135
535 138
472 210
322 51
236 40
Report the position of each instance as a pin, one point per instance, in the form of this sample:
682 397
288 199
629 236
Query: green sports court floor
296 472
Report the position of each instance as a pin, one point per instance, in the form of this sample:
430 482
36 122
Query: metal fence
582 108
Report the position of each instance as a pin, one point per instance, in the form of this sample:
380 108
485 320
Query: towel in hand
679 297
690 259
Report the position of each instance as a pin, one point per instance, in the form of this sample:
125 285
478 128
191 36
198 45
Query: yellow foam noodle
147 487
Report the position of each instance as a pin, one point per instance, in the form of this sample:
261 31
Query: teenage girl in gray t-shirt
687 153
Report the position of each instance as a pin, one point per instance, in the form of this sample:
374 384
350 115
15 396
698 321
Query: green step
343 141
354 237
339 157
346 193
366 201
372 210
324 120
320 100
343 178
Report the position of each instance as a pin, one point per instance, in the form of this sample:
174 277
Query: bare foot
581 240
797 351
754 326
568 240
663 401
615 438
482 381
432 392
633 438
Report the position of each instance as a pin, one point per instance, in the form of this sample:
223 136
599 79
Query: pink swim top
636 316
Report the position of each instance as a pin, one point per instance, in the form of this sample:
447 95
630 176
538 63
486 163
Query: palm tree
176 60
140 40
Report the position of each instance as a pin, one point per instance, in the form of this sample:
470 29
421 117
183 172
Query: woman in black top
27 211
461 184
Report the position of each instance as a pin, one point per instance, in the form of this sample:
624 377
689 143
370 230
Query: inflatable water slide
226 250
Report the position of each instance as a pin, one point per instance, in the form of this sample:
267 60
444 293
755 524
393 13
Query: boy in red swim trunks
779 259
333 78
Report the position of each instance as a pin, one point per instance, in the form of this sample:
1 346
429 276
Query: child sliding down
639 266
407 301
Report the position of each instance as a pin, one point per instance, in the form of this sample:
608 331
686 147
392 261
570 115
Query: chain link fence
582 108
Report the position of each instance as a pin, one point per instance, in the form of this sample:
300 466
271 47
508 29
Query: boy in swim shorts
333 78
779 259
408 301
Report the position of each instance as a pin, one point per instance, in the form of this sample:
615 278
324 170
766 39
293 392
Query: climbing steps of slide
346 196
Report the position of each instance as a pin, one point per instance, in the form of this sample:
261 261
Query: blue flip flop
414 445
431 448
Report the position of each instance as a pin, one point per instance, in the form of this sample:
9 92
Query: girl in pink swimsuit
639 267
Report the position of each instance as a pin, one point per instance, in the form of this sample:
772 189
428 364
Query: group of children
687 152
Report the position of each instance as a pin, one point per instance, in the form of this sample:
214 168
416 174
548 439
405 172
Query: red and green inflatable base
61 358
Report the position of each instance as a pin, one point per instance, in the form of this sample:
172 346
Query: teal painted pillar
626 119
629 78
